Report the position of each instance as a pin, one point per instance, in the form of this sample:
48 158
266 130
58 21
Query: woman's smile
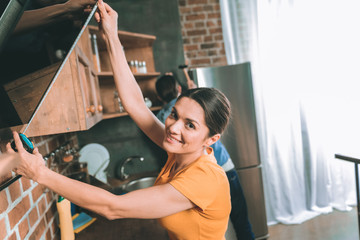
172 139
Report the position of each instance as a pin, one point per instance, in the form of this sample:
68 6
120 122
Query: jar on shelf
144 69
95 51
136 68
132 66
117 103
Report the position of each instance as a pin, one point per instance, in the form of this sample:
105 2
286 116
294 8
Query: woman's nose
175 127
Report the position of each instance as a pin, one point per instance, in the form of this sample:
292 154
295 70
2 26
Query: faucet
124 175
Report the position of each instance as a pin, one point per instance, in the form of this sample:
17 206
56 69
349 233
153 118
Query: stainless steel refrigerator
241 136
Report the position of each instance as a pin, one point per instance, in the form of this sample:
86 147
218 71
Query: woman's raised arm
129 91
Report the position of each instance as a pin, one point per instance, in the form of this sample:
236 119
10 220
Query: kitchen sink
140 183
135 184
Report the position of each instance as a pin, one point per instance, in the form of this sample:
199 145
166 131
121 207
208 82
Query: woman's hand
29 165
107 19
75 9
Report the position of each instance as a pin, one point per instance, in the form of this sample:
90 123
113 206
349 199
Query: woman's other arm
37 18
129 91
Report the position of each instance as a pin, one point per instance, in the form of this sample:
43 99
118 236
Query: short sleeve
199 183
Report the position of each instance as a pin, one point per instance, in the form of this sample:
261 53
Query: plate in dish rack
97 158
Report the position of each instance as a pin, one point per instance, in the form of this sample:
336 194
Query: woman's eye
190 125
172 115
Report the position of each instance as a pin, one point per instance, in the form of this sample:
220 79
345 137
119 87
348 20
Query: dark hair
216 107
166 88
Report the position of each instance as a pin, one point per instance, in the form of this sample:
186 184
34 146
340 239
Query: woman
191 195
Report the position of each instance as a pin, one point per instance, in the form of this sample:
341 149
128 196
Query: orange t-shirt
205 184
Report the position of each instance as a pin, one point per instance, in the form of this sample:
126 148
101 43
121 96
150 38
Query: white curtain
305 57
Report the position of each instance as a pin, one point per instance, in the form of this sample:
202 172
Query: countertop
120 229
123 229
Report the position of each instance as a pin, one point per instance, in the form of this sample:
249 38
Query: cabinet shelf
128 39
115 115
138 76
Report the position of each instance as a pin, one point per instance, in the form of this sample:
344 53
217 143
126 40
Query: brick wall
202 32
27 209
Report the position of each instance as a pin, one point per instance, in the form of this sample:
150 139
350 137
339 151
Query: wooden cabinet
137 47
73 103
83 93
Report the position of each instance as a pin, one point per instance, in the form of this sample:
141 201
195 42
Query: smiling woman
192 189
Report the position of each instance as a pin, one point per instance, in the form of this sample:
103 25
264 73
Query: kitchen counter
124 229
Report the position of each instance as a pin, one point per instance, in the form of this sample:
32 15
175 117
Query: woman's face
185 128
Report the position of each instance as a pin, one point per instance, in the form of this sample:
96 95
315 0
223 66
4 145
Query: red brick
19 211
50 213
26 183
191 55
215 30
189 25
42 206
197 39
37 192
197 9
191 47
222 52
49 197
3 201
182 3
220 61
191 2
196 32
200 25
202 54
23 228
15 191
39 230
219 38
48 234
13 236
211 24
200 61
3 231
33 216
208 38
5 177
214 15
209 8
212 53
193 17
186 40
185 10
209 45
55 228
